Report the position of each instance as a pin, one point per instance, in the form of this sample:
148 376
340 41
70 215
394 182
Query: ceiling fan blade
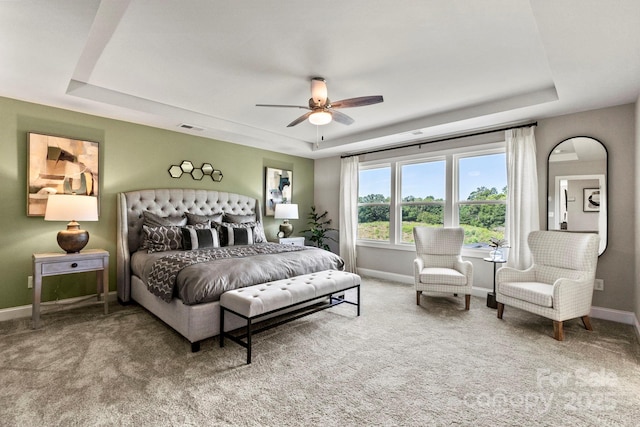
340 117
300 119
357 102
282 106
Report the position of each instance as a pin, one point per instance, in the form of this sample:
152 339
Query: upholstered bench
295 296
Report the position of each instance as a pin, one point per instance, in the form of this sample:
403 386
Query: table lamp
286 211
69 207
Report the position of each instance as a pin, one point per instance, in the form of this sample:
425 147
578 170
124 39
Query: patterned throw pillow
233 235
200 238
193 219
160 239
154 220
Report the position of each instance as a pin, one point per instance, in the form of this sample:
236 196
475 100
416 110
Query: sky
428 179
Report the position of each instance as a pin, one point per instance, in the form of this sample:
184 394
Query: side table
55 263
295 241
491 296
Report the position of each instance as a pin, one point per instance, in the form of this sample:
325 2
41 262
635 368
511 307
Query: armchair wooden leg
558 331
467 301
587 323
500 310
418 293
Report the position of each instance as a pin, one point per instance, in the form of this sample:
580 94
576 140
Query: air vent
190 127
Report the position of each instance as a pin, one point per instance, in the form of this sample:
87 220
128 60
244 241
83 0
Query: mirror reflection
577 188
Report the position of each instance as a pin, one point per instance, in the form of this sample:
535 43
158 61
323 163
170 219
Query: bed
191 306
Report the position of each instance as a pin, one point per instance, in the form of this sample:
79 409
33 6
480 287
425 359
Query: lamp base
73 240
286 228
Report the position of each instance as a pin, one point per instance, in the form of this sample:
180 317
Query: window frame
451 203
379 165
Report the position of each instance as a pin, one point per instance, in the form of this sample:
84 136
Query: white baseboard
48 306
394 277
408 280
626 317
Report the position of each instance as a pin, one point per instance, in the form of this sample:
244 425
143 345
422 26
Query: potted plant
319 228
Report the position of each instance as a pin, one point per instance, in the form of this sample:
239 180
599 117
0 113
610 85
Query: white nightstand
295 241
54 264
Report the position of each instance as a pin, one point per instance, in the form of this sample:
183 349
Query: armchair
559 284
438 266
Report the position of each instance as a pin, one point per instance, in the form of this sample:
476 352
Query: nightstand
55 264
295 241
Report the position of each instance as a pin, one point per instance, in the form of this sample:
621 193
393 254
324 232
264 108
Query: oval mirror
577 188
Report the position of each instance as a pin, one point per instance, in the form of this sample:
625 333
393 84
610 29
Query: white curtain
522 199
349 211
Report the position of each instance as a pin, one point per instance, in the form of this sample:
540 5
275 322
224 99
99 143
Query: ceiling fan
322 110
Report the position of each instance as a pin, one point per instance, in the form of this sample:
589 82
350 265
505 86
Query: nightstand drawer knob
74 265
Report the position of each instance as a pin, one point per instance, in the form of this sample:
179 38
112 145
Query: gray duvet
216 271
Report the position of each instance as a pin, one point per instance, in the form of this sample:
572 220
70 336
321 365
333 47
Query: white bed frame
194 322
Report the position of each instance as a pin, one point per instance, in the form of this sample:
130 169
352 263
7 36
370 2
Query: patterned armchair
438 266
559 284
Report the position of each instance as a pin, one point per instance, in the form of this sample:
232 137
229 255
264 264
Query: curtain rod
449 138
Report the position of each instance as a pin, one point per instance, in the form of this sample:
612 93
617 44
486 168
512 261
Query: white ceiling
443 66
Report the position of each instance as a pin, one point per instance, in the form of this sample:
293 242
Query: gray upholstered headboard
167 202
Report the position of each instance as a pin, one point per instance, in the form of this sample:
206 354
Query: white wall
326 190
615 128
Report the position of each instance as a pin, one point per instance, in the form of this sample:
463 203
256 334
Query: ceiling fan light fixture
320 118
319 90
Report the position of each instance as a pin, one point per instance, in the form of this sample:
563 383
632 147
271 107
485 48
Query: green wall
131 157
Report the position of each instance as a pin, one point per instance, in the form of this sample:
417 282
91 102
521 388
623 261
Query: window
466 189
422 196
374 203
482 197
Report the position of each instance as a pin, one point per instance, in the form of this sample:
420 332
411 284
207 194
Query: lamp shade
286 211
68 207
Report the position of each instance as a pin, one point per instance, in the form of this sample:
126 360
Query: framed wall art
59 165
591 200
278 185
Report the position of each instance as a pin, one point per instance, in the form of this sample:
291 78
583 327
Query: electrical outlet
29 282
598 284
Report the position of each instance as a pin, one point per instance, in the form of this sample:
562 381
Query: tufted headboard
167 202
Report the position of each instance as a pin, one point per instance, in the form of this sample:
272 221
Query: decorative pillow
233 235
160 239
258 231
193 219
153 220
199 238
238 219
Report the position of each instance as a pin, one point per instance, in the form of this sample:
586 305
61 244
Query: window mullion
450 217
394 213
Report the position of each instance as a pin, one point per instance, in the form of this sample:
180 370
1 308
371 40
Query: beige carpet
396 365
